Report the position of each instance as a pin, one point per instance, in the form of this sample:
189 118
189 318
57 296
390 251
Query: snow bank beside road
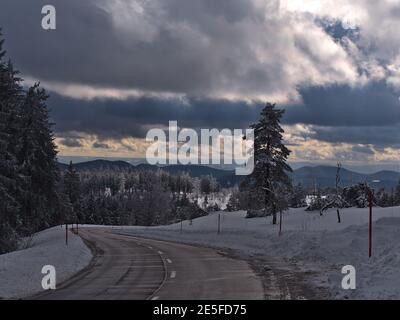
20 271
312 242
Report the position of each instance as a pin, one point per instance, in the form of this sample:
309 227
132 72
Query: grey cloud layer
133 117
202 47
371 105
337 114
89 48
210 48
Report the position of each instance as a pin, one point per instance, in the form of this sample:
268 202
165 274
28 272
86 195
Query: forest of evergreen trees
129 198
35 194
29 177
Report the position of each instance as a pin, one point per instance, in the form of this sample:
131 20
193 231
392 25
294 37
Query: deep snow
20 271
312 242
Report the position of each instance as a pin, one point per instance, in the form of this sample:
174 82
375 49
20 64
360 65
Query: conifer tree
270 176
37 158
397 195
73 191
10 91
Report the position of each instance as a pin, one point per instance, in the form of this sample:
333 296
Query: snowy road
126 267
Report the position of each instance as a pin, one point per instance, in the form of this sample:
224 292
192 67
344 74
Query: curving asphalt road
129 268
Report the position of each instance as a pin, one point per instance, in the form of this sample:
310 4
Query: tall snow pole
280 223
219 223
370 202
66 234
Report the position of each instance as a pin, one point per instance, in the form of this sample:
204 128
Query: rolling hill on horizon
323 176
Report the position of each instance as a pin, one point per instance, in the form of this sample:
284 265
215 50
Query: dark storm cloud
99 145
337 115
369 115
213 48
71 142
371 105
133 117
341 114
62 54
232 11
383 136
191 47
163 50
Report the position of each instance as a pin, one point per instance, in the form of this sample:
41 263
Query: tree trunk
274 218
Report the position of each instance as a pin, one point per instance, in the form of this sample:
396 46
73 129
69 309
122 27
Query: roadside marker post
280 223
370 203
66 234
219 223
181 225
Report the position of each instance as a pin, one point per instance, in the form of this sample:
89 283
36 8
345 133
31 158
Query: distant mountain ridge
224 177
323 176
98 165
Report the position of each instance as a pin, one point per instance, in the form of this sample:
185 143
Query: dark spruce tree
269 183
30 198
37 158
72 190
10 93
397 195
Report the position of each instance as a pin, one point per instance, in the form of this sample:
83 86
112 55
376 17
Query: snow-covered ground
312 242
20 271
219 199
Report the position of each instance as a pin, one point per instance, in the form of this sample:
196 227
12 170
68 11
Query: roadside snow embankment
312 243
20 271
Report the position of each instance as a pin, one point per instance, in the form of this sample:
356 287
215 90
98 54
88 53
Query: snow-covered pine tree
363 191
270 176
383 198
233 202
10 92
205 185
90 209
392 198
37 157
72 188
72 183
297 197
397 195
317 202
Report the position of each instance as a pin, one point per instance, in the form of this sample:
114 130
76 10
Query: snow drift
20 271
311 242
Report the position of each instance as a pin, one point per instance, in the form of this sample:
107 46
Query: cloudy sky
116 68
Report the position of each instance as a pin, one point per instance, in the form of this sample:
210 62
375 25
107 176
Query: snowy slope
20 271
312 242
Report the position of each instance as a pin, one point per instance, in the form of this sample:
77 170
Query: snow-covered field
20 271
311 242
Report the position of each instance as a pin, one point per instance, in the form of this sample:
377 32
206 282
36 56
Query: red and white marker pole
370 202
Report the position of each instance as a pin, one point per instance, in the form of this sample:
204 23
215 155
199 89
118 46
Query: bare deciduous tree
337 200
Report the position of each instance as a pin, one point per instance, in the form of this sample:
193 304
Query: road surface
129 268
